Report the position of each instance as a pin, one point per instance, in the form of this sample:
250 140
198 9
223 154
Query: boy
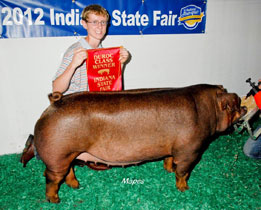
71 77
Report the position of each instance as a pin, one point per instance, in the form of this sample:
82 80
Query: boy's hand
80 55
124 55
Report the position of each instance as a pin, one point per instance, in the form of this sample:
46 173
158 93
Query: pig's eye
236 108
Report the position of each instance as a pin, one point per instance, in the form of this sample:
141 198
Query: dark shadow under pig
130 127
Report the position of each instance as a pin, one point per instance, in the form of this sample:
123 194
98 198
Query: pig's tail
55 96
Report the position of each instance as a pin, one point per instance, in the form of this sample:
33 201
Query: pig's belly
87 157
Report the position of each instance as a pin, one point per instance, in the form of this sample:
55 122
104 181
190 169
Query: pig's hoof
53 199
183 188
73 184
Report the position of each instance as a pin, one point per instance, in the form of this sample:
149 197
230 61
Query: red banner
104 69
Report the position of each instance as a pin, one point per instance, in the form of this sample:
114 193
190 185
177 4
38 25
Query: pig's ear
222 89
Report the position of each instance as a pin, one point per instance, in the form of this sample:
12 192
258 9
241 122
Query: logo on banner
190 17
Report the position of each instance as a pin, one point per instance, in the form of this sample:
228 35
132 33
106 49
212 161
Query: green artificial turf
224 179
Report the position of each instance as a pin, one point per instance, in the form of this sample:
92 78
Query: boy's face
96 26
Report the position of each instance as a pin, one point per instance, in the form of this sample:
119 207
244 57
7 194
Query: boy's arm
61 83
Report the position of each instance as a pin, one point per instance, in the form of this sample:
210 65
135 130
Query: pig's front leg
185 161
169 164
182 181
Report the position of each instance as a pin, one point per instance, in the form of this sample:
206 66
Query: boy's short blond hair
95 9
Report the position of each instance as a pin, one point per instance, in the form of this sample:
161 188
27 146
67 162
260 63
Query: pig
131 127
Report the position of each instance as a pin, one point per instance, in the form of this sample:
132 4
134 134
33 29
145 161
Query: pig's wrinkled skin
130 127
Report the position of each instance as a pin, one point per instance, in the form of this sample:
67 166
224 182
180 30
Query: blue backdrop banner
47 18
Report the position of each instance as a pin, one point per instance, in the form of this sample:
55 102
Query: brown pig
130 127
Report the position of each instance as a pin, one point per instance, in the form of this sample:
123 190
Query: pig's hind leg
53 182
71 180
56 172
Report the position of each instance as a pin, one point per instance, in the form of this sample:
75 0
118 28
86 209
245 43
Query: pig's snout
243 111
